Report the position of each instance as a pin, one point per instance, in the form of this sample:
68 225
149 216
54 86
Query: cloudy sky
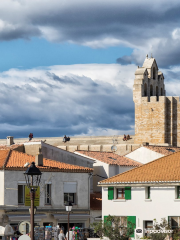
67 67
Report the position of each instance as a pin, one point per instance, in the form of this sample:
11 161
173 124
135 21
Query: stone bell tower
156 116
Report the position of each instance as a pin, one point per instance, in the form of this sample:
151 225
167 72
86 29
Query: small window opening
154 73
151 90
157 93
161 92
145 89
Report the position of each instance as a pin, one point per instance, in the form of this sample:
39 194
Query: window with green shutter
128 193
110 193
131 220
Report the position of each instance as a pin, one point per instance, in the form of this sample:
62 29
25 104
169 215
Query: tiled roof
164 150
17 160
3 157
96 201
110 158
165 169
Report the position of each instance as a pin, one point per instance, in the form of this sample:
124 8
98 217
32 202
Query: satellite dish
113 148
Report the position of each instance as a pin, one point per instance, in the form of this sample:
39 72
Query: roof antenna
146 55
151 55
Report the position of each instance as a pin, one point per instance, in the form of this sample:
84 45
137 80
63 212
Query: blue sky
38 52
67 67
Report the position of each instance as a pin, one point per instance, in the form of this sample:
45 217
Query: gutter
142 184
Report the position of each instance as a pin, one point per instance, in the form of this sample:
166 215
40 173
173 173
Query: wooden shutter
110 193
131 219
127 193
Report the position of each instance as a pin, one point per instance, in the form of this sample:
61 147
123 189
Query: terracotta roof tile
164 150
110 158
161 170
96 201
17 160
3 157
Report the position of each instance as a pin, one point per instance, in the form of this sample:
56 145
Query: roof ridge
7 158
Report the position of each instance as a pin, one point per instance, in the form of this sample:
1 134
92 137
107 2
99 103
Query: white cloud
73 100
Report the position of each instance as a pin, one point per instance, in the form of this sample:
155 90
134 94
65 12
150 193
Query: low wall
122 149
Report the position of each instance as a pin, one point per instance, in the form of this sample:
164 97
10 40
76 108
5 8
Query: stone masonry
157 117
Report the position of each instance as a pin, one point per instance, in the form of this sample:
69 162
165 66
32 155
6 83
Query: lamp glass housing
33 173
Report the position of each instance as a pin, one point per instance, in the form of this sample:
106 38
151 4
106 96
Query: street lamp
33 178
68 209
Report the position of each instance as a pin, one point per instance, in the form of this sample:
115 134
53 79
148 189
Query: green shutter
105 219
110 193
127 193
132 219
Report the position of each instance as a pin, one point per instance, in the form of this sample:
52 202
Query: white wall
125 168
143 155
2 187
61 155
101 169
162 204
57 196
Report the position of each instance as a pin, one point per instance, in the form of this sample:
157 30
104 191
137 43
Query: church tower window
154 73
145 89
151 90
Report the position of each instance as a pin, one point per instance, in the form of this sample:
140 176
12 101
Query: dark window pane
21 194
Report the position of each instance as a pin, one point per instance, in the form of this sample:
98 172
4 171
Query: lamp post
33 178
68 209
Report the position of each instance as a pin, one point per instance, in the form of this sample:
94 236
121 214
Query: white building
107 164
151 191
60 182
145 154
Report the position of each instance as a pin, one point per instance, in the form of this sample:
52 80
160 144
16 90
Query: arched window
154 73
151 90
145 89
157 93
161 92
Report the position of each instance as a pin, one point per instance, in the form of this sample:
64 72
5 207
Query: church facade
157 117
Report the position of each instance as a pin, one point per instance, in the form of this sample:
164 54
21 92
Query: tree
115 228
163 225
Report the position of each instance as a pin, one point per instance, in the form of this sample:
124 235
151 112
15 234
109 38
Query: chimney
10 140
39 158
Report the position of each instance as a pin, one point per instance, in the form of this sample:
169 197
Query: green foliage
114 228
160 226
176 234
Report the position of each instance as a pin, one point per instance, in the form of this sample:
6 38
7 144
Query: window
178 191
154 73
157 93
21 194
120 193
148 193
145 89
48 194
148 226
70 192
151 90
69 197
